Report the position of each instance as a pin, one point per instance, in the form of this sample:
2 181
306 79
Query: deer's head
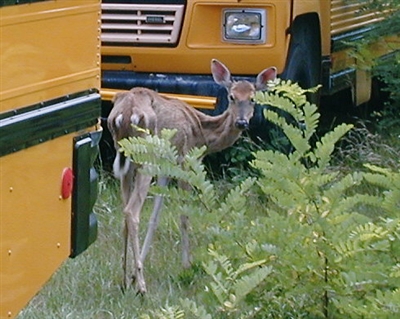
241 93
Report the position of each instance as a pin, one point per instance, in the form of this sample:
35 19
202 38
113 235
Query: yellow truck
49 134
167 45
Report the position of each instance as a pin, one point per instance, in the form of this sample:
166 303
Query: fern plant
157 156
231 286
295 241
342 239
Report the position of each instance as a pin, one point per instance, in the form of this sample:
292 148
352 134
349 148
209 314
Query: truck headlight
244 25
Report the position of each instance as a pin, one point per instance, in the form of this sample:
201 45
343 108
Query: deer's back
149 110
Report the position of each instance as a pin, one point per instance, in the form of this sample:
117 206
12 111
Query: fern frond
222 281
391 202
236 200
266 160
336 192
150 150
291 91
368 237
248 283
311 120
193 310
389 180
325 147
280 103
168 312
294 134
248 266
159 157
387 302
223 262
395 271
218 285
378 180
368 232
379 170
171 313
347 249
348 203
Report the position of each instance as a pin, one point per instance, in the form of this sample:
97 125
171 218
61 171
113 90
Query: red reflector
67 183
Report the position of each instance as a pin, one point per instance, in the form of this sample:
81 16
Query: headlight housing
244 25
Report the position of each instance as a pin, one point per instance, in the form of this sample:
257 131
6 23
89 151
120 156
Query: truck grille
140 23
349 15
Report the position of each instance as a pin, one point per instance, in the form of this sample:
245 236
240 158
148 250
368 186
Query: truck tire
303 63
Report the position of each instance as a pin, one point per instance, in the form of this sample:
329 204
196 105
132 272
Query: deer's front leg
125 267
132 219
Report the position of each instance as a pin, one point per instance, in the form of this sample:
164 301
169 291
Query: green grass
89 286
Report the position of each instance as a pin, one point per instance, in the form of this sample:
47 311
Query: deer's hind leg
154 219
134 189
132 219
125 171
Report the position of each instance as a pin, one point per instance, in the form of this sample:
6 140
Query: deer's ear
264 76
221 73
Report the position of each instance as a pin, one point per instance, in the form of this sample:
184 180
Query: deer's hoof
127 282
141 289
141 292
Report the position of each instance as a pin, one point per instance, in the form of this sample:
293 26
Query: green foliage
157 156
361 144
387 70
389 181
166 313
295 241
233 163
231 286
186 309
329 208
290 91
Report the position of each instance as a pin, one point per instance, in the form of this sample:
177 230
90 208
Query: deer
146 109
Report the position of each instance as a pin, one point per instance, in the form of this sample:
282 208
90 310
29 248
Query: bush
386 70
298 240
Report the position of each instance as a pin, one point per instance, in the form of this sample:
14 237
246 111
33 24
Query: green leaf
248 283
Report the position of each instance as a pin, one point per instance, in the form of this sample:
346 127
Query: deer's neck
219 131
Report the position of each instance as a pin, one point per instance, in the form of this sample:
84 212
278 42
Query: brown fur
147 109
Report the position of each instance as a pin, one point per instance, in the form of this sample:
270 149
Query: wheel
303 64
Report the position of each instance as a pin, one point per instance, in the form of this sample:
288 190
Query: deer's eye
231 98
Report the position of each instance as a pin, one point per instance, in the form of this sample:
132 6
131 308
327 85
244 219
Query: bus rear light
67 183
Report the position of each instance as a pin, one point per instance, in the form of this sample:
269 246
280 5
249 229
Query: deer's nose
242 124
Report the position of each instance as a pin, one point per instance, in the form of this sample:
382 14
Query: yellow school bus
49 134
167 45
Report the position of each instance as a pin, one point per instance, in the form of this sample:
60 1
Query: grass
362 146
89 287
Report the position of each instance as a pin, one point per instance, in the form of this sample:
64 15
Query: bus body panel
49 134
167 45
35 220
54 57
200 41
